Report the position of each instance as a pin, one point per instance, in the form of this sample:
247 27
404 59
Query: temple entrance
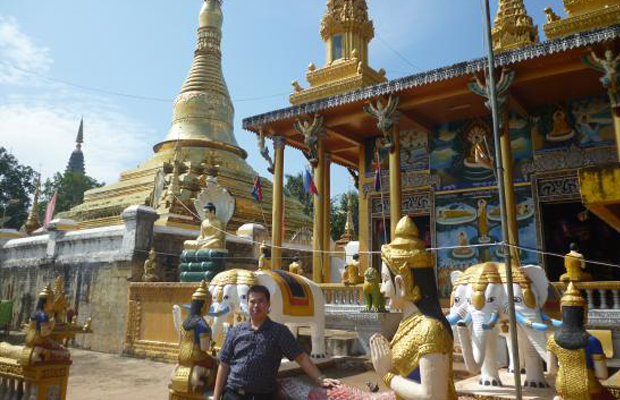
564 223
381 236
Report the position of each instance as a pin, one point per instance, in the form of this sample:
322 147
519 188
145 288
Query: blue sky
145 48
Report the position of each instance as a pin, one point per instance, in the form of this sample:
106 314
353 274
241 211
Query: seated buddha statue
575 266
150 267
352 275
576 356
212 233
561 130
264 260
196 368
417 363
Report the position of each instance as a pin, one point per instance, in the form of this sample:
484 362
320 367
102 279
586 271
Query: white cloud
39 126
19 53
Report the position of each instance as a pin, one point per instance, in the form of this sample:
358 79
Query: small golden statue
295 267
196 369
578 354
212 233
575 265
150 266
483 222
352 275
264 261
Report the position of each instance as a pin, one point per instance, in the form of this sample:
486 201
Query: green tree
16 186
339 213
294 187
70 186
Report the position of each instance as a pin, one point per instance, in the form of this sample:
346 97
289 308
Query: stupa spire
203 111
32 222
76 161
513 27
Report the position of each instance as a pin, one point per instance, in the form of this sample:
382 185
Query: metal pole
502 198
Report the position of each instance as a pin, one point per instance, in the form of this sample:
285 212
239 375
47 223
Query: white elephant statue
295 301
530 285
485 297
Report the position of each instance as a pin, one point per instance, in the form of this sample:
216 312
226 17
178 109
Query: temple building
76 161
431 136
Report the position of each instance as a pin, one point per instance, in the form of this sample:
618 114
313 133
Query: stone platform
471 387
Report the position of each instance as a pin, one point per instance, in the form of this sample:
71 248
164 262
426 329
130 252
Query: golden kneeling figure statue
575 265
352 275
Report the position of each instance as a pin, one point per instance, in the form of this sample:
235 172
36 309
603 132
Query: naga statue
196 368
417 363
579 355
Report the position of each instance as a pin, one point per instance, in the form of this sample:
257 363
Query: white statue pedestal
471 387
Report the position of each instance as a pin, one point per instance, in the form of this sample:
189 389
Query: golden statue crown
201 293
407 252
572 297
46 292
480 278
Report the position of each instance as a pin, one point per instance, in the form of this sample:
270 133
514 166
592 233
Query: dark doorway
564 223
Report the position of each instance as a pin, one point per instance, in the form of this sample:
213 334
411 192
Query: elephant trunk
534 331
473 346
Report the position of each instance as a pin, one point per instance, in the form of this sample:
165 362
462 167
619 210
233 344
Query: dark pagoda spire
76 161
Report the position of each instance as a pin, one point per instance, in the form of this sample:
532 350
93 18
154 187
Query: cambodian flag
378 174
257 190
309 183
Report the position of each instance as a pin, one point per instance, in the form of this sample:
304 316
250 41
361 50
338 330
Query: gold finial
32 222
513 27
46 292
201 293
572 297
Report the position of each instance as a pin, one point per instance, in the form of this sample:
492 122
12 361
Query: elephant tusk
530 324
213 313
554 322
492 321
453 318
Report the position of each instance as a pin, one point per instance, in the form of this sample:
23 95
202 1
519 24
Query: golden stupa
200 143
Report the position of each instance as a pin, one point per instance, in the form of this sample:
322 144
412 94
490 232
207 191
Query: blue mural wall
473 218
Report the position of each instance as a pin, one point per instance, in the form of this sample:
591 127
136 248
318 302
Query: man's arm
313 372
220 380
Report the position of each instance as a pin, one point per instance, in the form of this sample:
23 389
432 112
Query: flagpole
492 92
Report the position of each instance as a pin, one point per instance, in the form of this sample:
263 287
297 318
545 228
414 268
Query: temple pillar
364 215
277 210
326 203
317 230
395 184
509 191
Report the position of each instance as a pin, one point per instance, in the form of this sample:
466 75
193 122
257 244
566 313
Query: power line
126 95
398 54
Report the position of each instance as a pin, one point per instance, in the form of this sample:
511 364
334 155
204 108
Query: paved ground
99 376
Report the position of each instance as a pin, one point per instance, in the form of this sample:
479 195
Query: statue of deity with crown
196 369
417 363
576 356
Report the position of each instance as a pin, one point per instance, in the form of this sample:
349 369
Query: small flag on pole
378 173
309 183
257 190
49 211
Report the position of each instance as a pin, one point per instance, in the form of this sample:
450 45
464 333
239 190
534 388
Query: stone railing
41 381
604 295
337 294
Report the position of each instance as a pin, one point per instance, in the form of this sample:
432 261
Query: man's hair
260 289
210 207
